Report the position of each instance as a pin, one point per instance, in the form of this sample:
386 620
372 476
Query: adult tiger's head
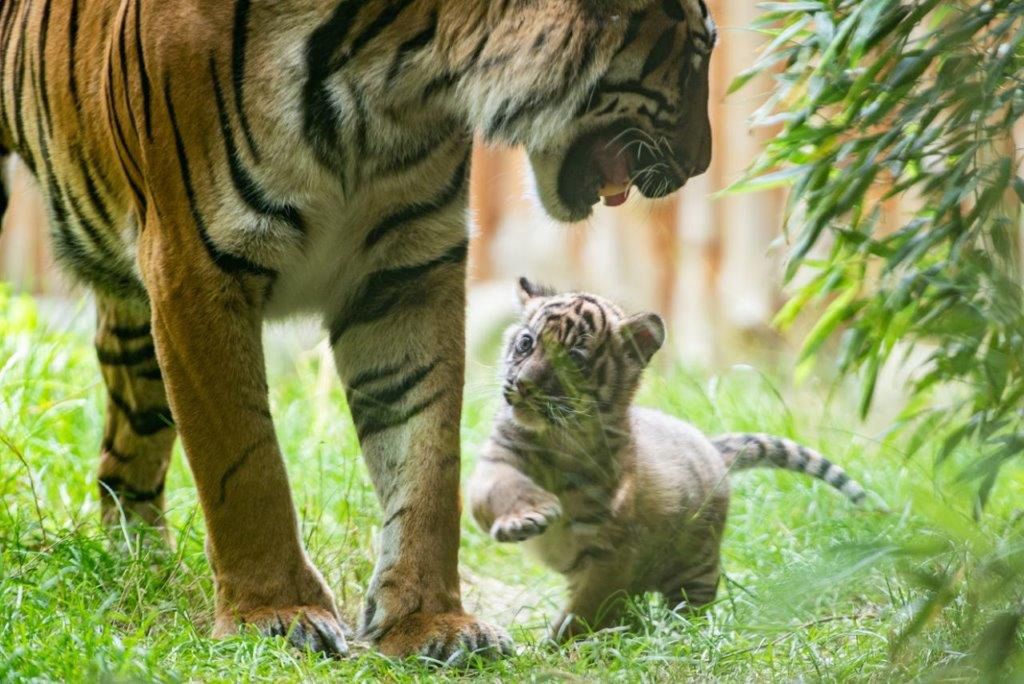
617 97
574 359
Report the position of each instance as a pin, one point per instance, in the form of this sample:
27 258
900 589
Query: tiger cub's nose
525 387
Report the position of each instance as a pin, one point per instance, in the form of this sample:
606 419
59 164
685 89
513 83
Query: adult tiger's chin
546 167
571 181
569 186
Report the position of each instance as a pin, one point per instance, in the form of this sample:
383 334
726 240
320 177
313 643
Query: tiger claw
520 526
447 639
306 628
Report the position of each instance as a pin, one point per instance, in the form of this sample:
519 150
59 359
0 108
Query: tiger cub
619 499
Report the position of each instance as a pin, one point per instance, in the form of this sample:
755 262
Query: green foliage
915 100
811 589
882 99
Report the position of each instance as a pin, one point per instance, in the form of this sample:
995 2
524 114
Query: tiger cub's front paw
527 522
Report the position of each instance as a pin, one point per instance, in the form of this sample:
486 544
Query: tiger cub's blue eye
578 356
524 345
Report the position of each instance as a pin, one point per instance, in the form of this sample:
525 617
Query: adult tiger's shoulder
207 165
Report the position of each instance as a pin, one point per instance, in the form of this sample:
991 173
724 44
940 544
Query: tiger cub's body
619 499
210 164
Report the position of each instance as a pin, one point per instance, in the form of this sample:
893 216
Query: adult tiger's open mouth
606 163
614 167
597 166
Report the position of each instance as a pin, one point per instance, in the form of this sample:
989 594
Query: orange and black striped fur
210 164
619 499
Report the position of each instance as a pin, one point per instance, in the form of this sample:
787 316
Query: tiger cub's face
645 123
574 358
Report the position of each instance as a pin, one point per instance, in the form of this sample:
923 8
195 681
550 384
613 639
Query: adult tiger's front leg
400 351
207 324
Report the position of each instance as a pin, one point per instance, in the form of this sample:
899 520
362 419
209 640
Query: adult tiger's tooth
613 190
616 199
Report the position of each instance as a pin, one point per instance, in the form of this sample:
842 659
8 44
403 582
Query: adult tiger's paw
306 627
446 637
524 524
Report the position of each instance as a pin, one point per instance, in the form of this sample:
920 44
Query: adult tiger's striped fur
619 499
208 165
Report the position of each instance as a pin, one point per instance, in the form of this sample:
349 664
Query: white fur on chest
389 157
337 256
557 548
331 262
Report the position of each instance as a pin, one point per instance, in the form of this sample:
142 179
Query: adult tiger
208 165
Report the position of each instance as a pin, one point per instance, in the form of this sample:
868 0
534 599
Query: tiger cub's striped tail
743 451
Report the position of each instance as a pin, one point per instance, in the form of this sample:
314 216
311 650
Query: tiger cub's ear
528 290
643 335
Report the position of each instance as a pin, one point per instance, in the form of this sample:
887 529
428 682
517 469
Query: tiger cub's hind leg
696 585
139 432
599 587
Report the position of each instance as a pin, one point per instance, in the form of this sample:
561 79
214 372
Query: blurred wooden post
695 311
1017 152
664 236
487 200
1017 149
24 248
747 223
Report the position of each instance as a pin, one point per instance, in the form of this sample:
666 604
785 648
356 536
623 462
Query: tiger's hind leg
696 589
139 432
694 584
599 589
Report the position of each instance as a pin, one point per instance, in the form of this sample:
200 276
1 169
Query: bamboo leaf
915 101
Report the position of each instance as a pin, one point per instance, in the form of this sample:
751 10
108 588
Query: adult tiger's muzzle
606 164
644 125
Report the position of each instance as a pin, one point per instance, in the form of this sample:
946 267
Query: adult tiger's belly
327 265
367 244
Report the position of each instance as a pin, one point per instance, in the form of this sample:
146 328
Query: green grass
814 588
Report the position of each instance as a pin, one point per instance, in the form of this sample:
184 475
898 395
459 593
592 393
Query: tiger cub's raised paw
526 523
